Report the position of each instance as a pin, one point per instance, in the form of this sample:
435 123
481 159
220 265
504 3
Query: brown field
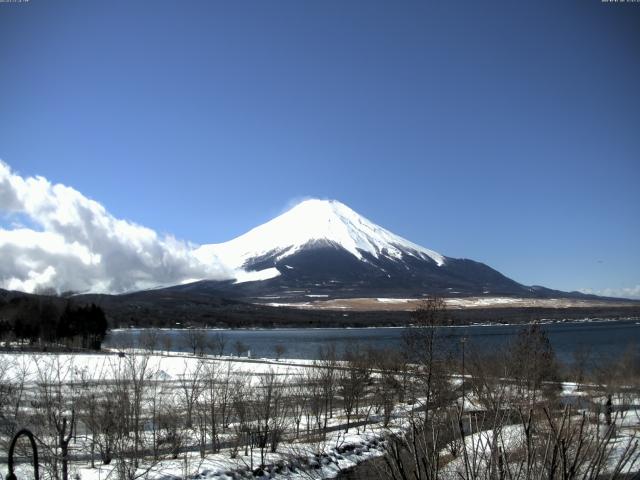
409 304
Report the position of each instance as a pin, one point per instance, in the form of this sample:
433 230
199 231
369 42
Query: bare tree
279 350
230 382
56 412
298 393
13 376
106 425
352 380
132 375
271 413
88 413
167 342
240 348
211 379
191 387
217 343
148 339
327 381
241 425
196 340
534 366
388 388
317 401
417 453
171 435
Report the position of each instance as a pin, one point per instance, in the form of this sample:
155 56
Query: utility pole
463 341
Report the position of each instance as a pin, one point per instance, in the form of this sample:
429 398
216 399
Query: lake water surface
601 339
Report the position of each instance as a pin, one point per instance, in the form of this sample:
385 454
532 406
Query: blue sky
506 132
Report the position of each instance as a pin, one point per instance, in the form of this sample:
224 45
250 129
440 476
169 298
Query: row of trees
196 341
49 323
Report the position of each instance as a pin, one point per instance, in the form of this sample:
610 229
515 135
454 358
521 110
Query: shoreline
566 321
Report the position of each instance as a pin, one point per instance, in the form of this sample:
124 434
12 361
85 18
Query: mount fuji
324 249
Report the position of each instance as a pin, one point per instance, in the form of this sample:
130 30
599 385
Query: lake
600 338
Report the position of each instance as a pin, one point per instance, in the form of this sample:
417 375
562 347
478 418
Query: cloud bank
625 292
74 244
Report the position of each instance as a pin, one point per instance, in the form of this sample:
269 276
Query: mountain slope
324 248
315 222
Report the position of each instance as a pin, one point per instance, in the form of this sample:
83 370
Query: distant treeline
53 322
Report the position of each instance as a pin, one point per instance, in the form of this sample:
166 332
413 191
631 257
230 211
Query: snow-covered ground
304 461
323 458
295 459
171 366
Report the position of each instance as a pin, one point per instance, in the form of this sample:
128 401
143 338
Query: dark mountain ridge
325 269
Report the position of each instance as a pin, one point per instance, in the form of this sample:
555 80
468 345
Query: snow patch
243 276
393 300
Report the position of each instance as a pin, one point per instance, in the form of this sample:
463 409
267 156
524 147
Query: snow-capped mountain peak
315 222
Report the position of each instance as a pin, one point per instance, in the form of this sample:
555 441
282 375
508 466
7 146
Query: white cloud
80 246
625 292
